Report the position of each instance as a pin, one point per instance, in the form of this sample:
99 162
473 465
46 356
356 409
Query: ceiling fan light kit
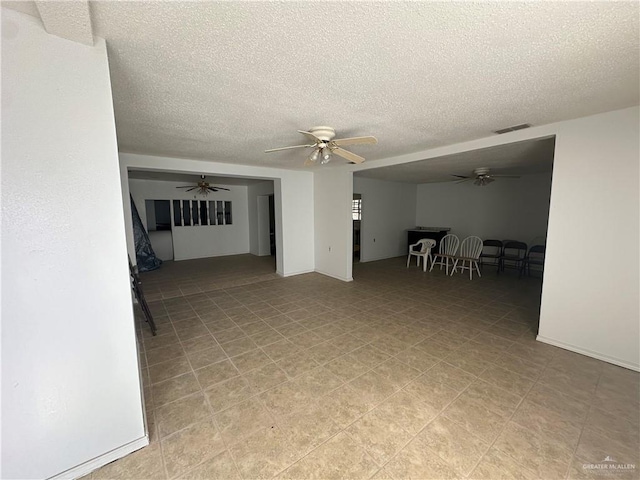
324 146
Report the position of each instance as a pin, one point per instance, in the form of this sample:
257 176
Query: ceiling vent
513 129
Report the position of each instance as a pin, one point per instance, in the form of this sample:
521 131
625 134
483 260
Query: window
356 209
187 213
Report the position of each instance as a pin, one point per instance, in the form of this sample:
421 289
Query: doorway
356 215
158 213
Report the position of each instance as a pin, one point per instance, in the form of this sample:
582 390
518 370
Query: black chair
513 254
491 250
534 257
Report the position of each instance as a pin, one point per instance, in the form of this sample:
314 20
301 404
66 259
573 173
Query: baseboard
337 277
589 353
291 274
88 467
383 257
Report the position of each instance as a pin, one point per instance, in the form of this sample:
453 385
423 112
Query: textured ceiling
518 158
187 178
224 81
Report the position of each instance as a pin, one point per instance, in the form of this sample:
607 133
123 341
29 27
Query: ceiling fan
202 187
482 177
324 146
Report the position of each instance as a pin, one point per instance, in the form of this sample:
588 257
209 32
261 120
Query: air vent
513 129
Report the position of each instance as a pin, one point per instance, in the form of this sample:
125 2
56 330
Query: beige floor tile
228 393
216 373
318 381
496 465
177 415
567 407
397 373
143 463
169 369
345 404
296 364
250 360
208 356
475 418
373 387
163 354
174 389
221 467
451 376
263 454
265 377
190 447
199 343
454 444
542 455
286 398
379 435
408 411
416 461
242 419
434 394
370 356
593 447
306 339
346 367
493 398
547 423
615 426
416 358
340 457
507 380
308 428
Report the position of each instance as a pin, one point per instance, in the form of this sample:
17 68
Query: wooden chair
469 253
447 252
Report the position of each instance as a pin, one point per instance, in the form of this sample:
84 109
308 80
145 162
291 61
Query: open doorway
158 214
356 215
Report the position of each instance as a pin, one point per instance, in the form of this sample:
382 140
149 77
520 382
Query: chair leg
408 260
478 269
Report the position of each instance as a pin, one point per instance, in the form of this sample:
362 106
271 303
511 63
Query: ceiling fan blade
311 136
355 141
213 189
352 157
463 180
222 188
185 186
286 148
504 176
192 188
459 176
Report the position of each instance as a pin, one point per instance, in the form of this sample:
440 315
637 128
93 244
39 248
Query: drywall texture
388 210
333 223
198 241
590 297
293 195
70 382
509 208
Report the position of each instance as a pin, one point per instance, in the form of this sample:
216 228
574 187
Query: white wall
70 382
590 298
333 223
293 195
254 192
199 241
388 210
509 208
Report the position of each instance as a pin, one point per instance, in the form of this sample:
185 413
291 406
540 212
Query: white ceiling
189 178
224 81
518 158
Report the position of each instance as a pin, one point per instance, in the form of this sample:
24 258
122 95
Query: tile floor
400 374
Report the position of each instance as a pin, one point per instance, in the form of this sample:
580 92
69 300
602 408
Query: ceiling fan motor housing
323 133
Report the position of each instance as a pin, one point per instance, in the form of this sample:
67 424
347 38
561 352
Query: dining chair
447 252
469 253
421 249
